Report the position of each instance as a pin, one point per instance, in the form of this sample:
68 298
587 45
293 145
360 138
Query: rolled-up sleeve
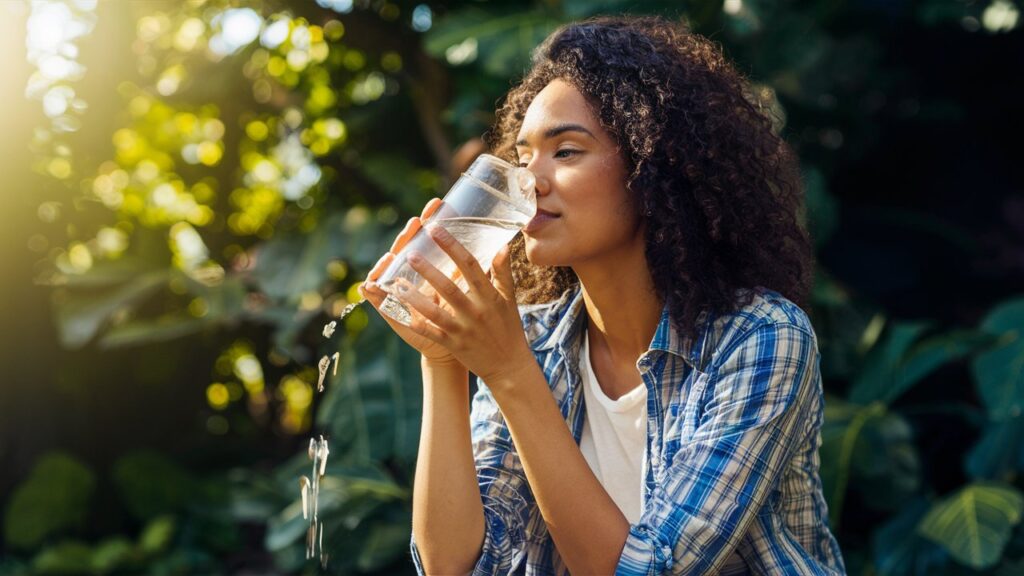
504 490
756 401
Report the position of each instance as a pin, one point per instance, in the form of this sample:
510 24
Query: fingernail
415 258
402 288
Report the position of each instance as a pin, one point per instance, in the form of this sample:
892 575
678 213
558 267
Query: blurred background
191 189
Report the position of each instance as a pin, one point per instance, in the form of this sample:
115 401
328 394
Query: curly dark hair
719 190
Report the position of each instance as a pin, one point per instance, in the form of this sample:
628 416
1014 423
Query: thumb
501 272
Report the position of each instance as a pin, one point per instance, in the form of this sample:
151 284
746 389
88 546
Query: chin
541 254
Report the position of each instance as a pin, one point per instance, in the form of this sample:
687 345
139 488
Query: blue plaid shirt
731 465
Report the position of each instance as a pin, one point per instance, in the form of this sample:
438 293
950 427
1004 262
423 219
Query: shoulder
769 323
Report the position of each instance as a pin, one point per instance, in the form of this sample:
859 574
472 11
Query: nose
540 173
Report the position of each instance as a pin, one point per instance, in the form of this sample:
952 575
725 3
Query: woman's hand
480 327
431 351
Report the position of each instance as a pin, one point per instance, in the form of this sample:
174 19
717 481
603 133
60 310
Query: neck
622 306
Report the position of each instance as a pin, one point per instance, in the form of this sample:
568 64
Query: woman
652 403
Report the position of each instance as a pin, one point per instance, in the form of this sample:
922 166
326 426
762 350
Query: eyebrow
560 129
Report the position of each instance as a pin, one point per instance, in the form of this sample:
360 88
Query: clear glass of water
483 210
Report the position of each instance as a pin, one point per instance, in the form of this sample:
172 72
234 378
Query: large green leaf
54 498
871 448
408 186
881 377
898 550
975 523
68 557
150 484
386 542
1000 372
112 554
1000 451
898 364
503 40
80 314
288 266
352 502
143 332
106 273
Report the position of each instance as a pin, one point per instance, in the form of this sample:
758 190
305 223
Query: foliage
182 521
259 158
53 498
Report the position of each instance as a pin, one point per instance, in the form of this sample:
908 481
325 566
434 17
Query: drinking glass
483 210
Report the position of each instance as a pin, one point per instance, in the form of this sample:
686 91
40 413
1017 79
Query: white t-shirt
614 438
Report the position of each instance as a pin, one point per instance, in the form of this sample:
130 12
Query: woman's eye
566 152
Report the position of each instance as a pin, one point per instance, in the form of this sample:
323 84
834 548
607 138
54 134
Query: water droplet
329 328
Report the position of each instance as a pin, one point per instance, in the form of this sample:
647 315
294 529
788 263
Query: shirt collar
569 323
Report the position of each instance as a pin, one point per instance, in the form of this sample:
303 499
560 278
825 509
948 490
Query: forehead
558 103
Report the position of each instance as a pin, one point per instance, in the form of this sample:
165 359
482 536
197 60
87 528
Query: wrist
446 364
514 376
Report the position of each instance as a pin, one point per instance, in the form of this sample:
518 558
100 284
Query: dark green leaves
1000 371
53 499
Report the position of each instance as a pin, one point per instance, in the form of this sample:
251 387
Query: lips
541 218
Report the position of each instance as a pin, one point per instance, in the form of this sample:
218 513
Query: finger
465 261
444 287
411 228
501 273
430 208
375 295
426 308
380 266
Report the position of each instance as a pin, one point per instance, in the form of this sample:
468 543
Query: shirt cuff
645 554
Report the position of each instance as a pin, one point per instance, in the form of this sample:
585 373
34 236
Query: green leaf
885 462
55 497
157 534
145 332
999 372
80 315
150 484
105 273
939 350
999 452
840 435
111 554
881 378
387 542
64 558
871 448
405 184
898 549
288 266
975 523
504 40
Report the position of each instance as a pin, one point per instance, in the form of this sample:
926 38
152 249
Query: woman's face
583 208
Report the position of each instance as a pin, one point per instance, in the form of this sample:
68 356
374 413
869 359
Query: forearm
585 523
448 519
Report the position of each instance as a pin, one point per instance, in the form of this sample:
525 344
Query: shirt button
644 365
